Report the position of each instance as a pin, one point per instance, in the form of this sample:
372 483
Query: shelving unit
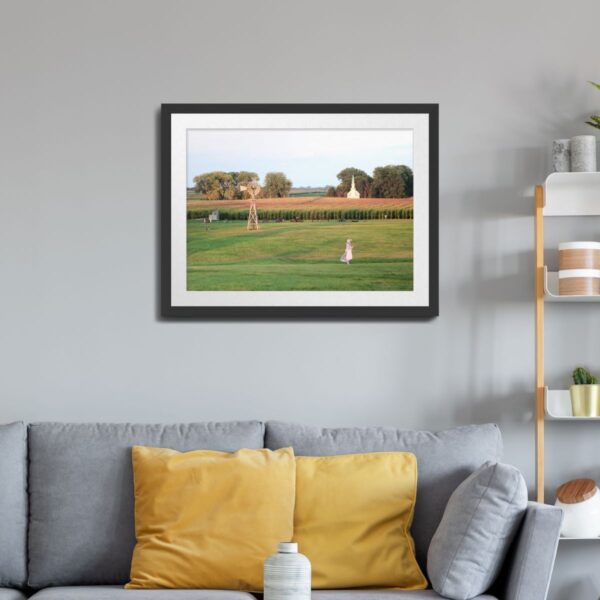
562 195
571 195
551 290
557 405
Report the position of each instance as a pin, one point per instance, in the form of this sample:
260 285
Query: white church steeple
353 193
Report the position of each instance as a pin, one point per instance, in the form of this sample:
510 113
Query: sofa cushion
13 505
480 521
81 528
382 595
10 594
444 459
352 520
207 519
107 592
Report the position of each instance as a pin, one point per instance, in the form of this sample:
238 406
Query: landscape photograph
299 210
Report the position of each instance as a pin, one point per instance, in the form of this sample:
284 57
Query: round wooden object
576 490
579 255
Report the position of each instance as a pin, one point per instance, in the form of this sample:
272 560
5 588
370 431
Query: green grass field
300 256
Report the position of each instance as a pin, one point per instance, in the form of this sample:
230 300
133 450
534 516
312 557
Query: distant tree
331 192
243 178
392 181
362 181
276 185
215 185
234 177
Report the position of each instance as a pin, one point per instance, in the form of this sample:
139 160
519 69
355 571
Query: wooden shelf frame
540 388
562 195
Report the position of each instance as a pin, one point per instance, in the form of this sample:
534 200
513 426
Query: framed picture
300 210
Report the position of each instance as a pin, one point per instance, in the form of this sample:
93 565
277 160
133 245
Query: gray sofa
68 513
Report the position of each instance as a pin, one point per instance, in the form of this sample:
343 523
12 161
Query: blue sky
309 157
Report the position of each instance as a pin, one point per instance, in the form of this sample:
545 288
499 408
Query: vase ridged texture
287 576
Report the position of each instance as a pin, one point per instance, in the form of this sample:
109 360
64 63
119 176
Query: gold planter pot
585 400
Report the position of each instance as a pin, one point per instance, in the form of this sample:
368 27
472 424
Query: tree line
221 185
390 181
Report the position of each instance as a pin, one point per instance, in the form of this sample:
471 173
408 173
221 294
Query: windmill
253 189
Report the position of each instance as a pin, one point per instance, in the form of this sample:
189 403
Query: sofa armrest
531 560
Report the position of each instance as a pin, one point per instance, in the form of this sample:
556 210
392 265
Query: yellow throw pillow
352 520
208 519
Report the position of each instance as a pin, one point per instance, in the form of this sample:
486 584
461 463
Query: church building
353 193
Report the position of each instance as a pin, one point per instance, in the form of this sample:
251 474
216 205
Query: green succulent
594 119
582 376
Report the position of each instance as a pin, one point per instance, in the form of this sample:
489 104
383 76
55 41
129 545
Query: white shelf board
557 404
572 194
577 539
551 290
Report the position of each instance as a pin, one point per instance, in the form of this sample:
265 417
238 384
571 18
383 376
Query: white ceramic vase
287 574
581 519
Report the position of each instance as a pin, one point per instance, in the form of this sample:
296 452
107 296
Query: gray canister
561 156
583 153
287 574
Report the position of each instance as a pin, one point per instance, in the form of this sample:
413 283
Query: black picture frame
168 310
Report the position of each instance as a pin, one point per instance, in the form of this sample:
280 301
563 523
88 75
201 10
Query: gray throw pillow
475 533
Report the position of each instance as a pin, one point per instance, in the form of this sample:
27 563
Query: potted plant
585 394
594 119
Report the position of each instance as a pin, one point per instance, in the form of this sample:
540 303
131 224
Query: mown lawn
300 256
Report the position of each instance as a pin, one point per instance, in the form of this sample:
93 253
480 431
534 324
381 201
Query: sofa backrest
81 527
13 505
444 459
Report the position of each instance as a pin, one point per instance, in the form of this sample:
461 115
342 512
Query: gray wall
81 84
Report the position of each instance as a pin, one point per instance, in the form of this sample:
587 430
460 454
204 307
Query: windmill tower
253 189
253 217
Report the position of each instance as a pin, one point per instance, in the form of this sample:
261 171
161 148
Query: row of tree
391 181
221 185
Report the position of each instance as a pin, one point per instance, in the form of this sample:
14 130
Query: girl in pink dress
347 256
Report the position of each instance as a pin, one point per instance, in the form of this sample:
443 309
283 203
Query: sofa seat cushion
444 460
381 595
109 592
10 594
81 505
